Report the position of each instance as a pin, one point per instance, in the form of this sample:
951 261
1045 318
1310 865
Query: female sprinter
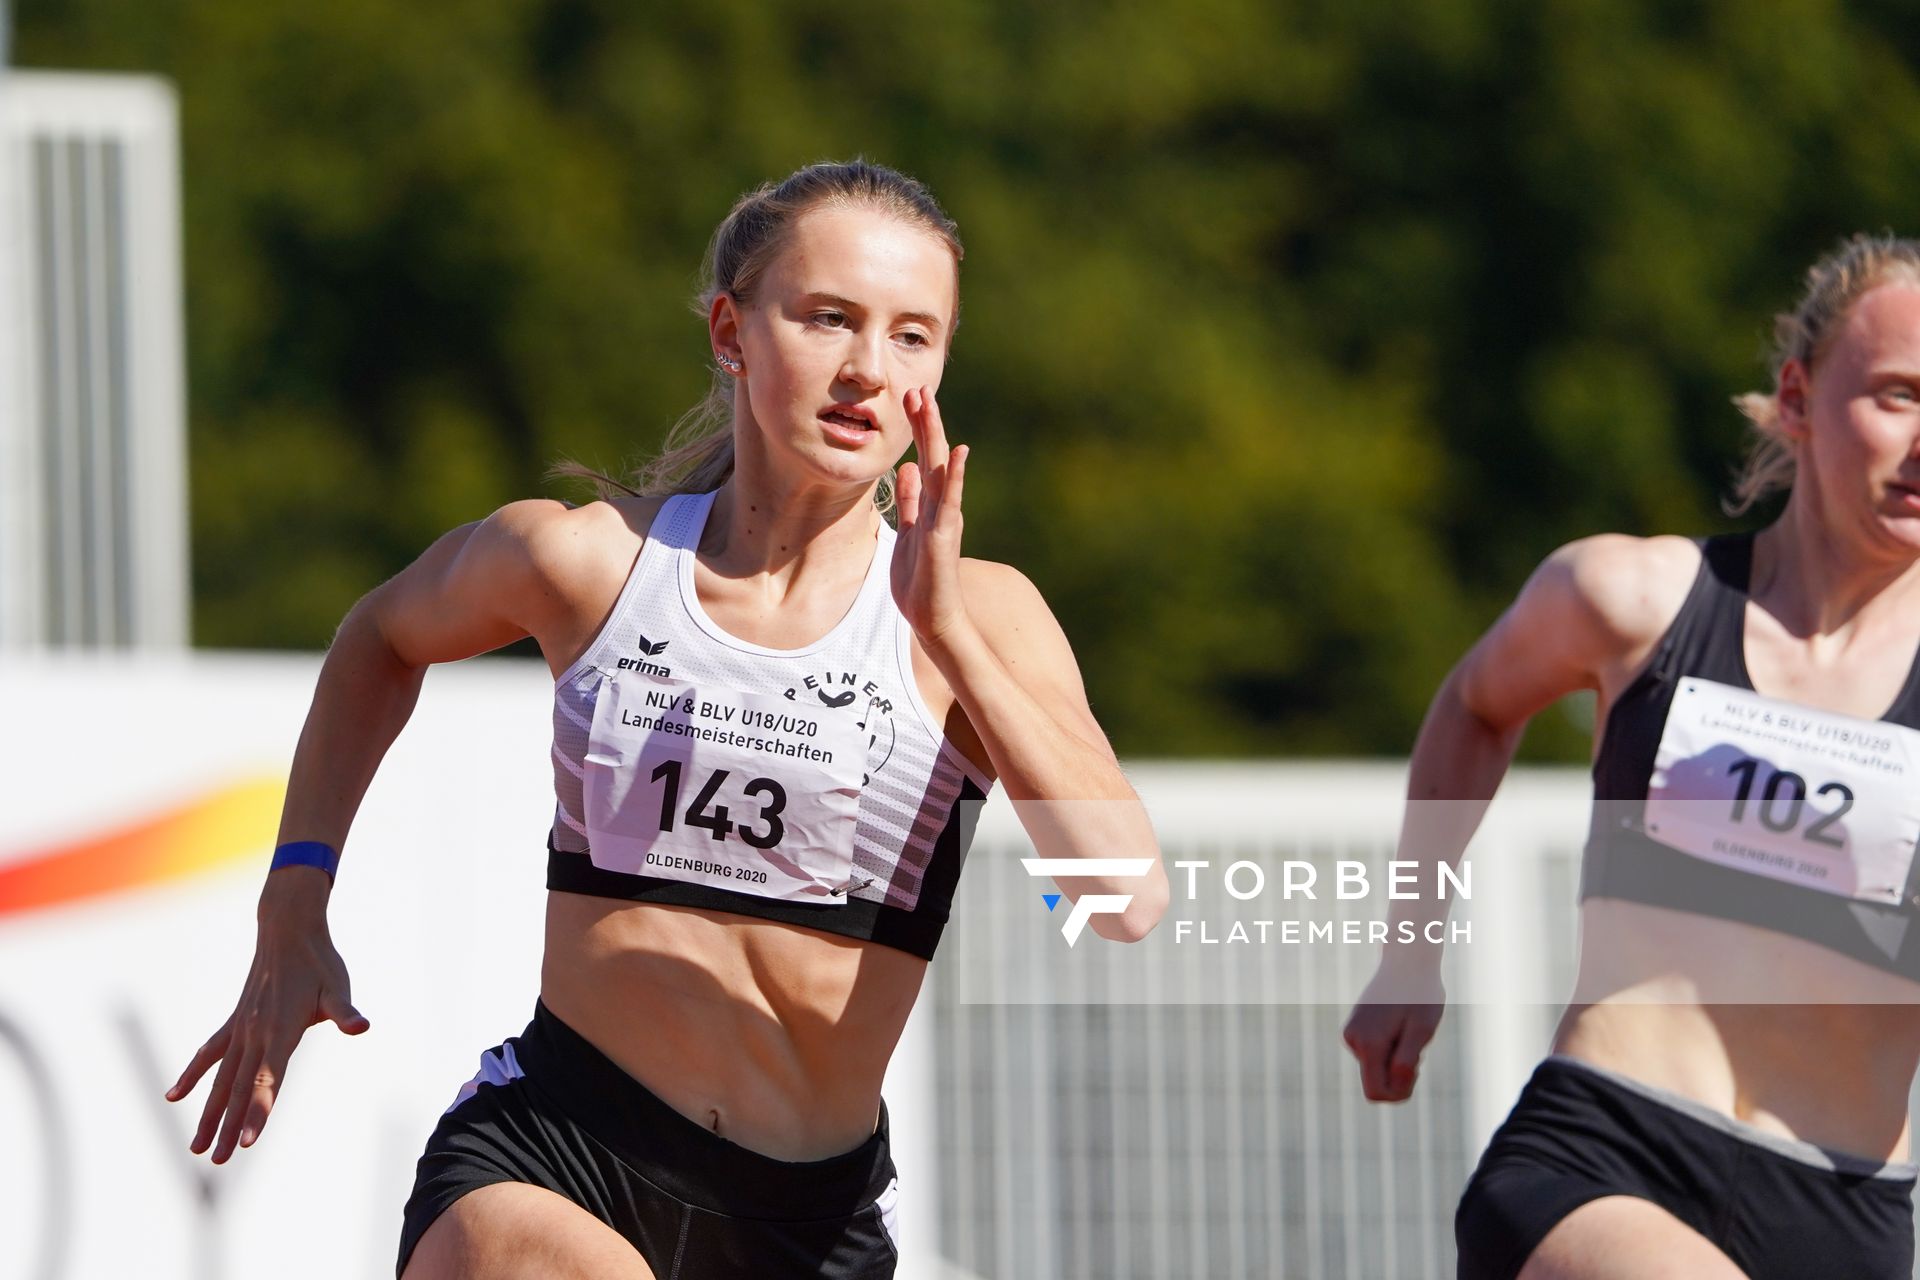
1727 1093
771 716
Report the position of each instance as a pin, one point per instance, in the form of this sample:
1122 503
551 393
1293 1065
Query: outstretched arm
479 587
1588 616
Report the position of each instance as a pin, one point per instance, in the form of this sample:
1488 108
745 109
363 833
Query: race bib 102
1815 798
720 787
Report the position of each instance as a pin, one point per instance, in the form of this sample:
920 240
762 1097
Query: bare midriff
1774 1031
774 1036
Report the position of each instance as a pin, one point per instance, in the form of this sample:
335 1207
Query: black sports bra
1711 799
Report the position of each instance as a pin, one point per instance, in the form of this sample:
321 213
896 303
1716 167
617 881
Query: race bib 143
720 787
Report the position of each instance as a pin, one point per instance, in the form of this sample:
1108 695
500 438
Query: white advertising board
138 802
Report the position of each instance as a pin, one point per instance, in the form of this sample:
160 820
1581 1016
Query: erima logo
1090 904
651 650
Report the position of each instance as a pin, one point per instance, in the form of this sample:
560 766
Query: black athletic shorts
1781 1209
550 1109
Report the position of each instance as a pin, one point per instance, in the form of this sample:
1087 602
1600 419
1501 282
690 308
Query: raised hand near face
926 556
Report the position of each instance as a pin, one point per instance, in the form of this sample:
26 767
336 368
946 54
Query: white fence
1210 1123
93 541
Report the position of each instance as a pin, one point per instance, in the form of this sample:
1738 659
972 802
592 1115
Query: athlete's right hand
1390 1026
297 979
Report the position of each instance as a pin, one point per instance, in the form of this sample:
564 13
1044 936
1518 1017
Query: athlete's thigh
514 1231
1626 1238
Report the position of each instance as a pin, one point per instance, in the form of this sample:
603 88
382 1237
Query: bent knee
514 1231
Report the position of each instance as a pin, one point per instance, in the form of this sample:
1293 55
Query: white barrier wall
140 797
1094 1112
140 803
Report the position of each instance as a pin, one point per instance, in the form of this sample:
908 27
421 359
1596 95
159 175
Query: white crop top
806 785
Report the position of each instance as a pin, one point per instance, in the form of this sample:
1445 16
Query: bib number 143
718 819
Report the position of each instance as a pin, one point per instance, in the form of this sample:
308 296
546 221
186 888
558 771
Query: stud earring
729 365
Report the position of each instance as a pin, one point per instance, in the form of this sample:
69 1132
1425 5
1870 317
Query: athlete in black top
1728 1090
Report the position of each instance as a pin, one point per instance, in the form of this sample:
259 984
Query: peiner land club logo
876 720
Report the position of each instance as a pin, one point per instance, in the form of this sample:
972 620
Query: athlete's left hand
926 556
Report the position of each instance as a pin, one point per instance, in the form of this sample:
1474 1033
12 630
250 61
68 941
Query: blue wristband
306 853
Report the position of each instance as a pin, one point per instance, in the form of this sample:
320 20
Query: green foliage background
1296 333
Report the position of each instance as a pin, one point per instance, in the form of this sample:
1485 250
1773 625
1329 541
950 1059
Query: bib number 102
717 820
1783 798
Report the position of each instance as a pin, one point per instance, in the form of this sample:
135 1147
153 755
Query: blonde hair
1834 283
698 452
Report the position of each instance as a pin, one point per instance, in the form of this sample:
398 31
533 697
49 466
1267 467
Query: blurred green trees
1295 333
